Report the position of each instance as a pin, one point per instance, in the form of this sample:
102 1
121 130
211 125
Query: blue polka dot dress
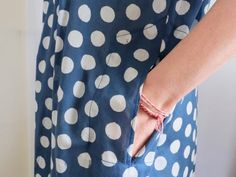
91 63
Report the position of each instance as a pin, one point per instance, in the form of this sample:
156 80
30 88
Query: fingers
144 127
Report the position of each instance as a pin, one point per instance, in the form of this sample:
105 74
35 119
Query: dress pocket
115 101
149 148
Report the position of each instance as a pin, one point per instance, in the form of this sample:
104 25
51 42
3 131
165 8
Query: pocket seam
136 30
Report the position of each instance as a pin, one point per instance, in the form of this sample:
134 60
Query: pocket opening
150 144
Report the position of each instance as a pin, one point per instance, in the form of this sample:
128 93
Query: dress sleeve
205 7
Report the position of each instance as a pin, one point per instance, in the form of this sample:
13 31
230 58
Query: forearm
210 44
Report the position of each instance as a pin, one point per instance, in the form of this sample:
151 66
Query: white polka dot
133 12
67 65
42 66
107 14
130 74
75 38
97 38
84 13
175 169
55 34
51 163
149 158
113 59
79 89
45 6
160 163
196 92
191 174
123 37
140 152
64 141
209 6
109 158
181 32
91 108
186 151
41 162
195 114
193 155
118 103
132 122
163 46
50 20
194 135
37 175
159 5
44 141
150 31
48 103
47 123
167 18
52 60
38 86
188 130
196 141
53 141
113 130
61 165
88 135
84 160
141 54
54 117
185 174
60 93
130 172
129 149
189 108
162 139
59 44
46 42
177 124
35 106
182 7
88 62
63 17
50 82
71 116
174 147
102 81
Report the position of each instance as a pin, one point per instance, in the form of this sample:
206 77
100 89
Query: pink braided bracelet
153 111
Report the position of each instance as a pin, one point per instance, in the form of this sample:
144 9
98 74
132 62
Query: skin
210 44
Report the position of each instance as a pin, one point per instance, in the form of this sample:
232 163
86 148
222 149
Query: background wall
19 39
14 140
216 156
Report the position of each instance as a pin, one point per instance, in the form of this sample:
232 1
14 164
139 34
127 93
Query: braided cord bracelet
153 111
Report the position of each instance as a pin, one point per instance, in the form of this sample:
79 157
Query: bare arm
210 44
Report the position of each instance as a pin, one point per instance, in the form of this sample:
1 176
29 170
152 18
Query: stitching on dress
142 28
116 162
90 108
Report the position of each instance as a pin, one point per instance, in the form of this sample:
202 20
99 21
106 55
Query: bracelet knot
153 111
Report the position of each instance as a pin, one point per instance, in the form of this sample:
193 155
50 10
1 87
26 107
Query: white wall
216 156
14 157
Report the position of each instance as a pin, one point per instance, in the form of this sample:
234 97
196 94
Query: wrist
159 95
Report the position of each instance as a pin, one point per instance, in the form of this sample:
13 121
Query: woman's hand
144 124
143 127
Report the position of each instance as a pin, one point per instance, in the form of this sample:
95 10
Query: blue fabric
92 60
